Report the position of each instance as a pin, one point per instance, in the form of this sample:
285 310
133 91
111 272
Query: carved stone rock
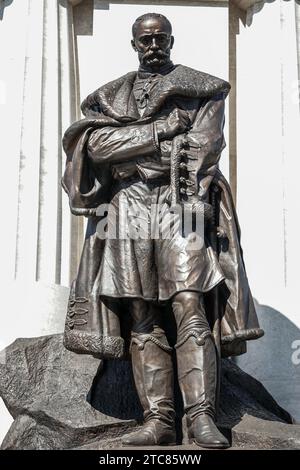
62 400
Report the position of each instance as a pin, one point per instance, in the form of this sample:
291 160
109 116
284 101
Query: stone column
268 192
48 239
40 241
297 17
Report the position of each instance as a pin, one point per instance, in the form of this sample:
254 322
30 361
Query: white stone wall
268 191
58 56
268 124
36 103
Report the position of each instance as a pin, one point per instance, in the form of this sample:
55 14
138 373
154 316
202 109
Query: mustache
155 54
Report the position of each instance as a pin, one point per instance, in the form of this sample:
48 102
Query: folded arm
117 145
121 144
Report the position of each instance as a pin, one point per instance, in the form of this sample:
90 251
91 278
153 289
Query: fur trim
103 347
182 81
243 335
188 82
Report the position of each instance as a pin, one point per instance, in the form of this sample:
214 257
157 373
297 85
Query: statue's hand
176 123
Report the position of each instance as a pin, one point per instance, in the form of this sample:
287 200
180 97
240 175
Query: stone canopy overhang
242 4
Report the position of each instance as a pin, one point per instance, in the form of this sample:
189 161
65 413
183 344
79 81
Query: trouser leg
197 368
153 375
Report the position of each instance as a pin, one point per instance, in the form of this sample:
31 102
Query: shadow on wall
275 359
3 4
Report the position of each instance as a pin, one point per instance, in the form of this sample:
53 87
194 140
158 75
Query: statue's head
152 40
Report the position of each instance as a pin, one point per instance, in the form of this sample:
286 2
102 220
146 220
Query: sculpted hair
148 16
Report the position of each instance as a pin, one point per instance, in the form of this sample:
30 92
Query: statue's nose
154 44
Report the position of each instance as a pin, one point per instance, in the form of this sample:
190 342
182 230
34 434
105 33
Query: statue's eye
162 38
146 40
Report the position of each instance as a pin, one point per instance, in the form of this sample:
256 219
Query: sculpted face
153 43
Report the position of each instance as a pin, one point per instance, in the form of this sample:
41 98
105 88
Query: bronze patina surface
151 141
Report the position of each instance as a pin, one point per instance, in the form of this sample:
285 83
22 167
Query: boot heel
207 435
190 437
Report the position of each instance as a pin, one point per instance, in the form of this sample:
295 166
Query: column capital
245 4
75 2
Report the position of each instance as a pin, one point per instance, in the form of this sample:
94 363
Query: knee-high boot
153 375
197 376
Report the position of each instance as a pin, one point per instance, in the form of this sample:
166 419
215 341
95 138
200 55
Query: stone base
61 400
250 434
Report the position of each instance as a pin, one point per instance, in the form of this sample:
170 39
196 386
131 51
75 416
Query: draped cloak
99 326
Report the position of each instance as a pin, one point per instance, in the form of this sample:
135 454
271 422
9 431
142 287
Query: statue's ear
133 45
172 42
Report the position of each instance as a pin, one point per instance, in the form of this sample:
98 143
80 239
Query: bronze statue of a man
153 138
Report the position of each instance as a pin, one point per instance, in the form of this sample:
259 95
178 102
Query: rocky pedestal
61 400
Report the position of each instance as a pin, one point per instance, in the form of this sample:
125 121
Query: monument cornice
242 4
